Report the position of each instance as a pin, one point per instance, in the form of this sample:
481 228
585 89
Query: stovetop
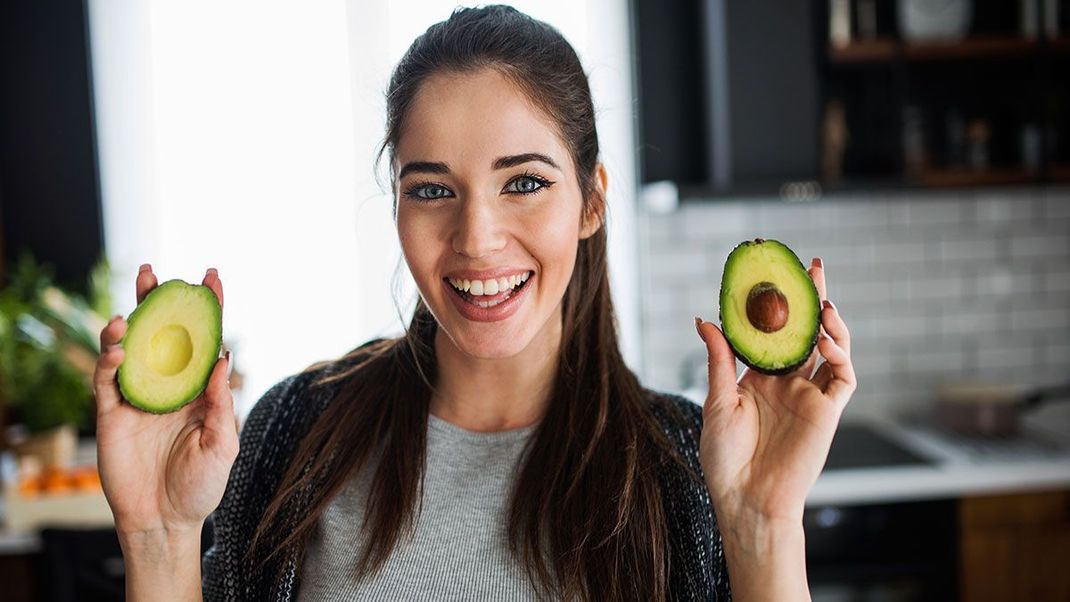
862 446
1027 444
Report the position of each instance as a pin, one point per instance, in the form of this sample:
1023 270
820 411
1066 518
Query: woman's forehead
471 119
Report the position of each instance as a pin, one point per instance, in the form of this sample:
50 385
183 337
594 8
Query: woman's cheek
417 252
557 233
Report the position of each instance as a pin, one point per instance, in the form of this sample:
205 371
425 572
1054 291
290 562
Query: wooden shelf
942 178
977 47
1059 172
865 51
1060 44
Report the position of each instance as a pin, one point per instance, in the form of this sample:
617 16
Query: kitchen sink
858 445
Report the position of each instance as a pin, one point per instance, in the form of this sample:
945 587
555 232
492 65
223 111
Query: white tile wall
934 286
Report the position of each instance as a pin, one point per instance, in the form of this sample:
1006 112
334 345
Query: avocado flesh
761 262
171 344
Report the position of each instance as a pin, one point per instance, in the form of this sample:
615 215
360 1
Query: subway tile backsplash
935 286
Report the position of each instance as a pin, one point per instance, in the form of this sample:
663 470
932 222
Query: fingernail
827 304
144 266
698 322
213 271
230 364
818 263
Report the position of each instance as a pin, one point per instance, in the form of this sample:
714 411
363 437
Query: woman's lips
488 274
513 298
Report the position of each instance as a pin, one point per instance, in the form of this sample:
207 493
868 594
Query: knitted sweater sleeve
223 577
698 568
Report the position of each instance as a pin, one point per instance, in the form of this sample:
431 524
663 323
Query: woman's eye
429 191
525 185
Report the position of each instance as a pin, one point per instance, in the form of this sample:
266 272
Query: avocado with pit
770 310
171 344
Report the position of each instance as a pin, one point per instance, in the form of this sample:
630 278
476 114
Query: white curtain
242 134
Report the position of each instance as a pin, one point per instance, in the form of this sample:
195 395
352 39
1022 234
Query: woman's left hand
766 438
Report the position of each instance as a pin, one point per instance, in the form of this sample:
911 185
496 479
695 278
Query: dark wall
49 185
728 92
671 89
773 89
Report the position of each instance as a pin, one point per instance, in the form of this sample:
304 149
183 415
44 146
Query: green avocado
171 344
770 310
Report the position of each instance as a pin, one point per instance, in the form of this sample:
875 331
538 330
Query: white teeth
489 287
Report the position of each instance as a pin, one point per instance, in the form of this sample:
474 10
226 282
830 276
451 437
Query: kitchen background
920 147
936 286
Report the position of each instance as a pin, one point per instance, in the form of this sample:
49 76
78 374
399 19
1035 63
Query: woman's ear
594 215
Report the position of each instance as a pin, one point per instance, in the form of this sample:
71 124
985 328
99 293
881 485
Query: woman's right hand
162 473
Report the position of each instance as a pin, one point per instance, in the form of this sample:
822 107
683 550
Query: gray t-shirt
460 548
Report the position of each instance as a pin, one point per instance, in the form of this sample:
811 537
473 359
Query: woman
501 448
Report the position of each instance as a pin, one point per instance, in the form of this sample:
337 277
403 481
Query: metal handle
1057 393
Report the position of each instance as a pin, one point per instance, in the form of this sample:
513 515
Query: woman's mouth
488 300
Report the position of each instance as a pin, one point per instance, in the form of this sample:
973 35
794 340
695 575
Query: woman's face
488 211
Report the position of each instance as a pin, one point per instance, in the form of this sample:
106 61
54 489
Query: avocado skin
779 372
810 345
134 315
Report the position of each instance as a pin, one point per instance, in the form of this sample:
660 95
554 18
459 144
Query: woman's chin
489 346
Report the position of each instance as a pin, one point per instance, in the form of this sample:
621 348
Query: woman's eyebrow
423 167
514 160
499 163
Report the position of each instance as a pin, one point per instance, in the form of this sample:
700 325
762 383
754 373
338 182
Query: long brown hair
586 516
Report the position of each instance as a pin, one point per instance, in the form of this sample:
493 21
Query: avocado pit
170 350
767 307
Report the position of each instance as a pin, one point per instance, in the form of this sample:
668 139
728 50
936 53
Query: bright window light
241 135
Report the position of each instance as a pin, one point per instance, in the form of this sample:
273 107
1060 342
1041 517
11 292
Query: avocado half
171 344
770 309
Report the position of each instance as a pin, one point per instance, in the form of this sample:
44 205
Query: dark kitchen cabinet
50 200
901 551
728 92
1015 547
740 97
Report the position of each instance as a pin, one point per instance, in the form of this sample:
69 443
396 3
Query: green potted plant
48 348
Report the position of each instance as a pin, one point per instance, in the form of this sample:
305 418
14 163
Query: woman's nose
480 230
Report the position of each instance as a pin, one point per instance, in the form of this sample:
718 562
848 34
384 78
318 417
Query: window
242 135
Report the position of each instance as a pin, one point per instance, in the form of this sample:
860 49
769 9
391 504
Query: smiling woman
501 448
509 206
499 205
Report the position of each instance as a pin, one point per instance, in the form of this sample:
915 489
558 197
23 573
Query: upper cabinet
741 97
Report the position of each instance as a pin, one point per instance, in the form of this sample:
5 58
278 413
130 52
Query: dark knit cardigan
286 412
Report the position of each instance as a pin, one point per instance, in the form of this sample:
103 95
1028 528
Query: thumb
219 432
722 366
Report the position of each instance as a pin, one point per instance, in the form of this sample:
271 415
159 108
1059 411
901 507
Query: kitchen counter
958 468
15 544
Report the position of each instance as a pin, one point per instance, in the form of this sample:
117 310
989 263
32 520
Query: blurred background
920 147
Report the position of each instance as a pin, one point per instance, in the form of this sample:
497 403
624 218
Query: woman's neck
490 395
